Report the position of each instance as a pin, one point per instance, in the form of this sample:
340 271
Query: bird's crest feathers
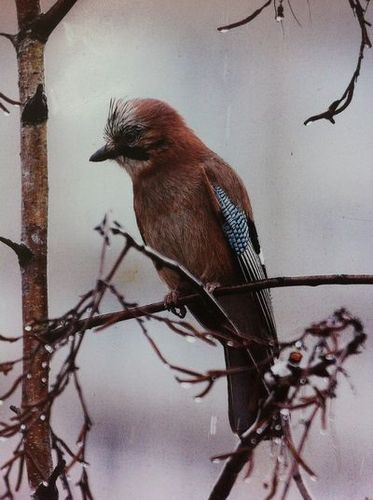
123 119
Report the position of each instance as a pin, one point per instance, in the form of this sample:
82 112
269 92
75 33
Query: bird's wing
234 210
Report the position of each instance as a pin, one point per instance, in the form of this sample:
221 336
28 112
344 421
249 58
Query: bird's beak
102 154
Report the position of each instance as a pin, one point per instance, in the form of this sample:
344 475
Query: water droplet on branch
285 413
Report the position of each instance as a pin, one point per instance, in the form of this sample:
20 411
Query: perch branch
160 261
146 310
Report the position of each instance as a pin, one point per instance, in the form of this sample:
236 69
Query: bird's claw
211 286
171 304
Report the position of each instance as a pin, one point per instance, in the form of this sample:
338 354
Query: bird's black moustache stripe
134 153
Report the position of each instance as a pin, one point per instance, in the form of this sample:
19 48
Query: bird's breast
176 218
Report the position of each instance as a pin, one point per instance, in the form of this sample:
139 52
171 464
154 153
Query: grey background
246 93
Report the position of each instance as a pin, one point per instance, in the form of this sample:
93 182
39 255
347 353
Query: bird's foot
172 298
211 286
171 303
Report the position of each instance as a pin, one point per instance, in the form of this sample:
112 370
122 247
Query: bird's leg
208 283
171 303
171 298
211 286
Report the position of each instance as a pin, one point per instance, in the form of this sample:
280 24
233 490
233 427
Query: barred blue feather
236 227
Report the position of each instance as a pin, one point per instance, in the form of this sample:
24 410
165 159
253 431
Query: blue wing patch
242 238
235 225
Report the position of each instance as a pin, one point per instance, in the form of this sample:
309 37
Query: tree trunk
34 165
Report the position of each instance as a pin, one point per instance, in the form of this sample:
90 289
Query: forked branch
45 24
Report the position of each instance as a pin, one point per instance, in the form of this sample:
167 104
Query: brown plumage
192 207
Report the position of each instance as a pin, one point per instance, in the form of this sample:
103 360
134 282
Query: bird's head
140 133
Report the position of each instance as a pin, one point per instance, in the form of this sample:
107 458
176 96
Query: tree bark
34 166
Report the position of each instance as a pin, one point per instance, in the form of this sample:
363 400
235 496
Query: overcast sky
246 93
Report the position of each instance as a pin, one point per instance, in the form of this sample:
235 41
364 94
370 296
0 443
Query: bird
192 207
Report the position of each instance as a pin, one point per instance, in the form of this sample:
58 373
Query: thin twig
321 341
252 16
9 100
344 101
298 479
23 253
11 38
293 14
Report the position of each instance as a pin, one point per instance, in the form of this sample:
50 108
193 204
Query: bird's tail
245 389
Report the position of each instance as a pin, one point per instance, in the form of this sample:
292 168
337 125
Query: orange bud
295 357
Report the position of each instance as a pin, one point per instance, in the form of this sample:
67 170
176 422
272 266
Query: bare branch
271 418
23 253
48 21
230 472
339 105
27 11
4 109
318 366
10 37
146 310
252 16
343 102
162 261
47 490
4 338
298 479
9 100
293 14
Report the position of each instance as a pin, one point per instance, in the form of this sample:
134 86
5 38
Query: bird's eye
133 135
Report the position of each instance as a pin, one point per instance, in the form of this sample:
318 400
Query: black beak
134 153
102 154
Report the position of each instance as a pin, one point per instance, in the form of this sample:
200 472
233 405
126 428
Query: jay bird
193 208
